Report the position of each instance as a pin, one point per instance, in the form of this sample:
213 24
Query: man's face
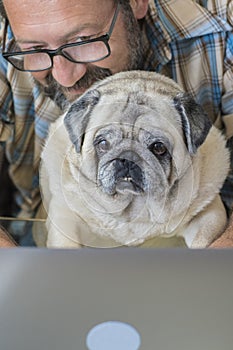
50 24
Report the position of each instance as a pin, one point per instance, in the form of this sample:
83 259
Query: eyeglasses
86 51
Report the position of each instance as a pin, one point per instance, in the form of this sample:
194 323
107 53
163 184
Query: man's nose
67 73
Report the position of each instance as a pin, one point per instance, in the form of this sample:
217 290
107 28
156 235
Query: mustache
58 92
93 74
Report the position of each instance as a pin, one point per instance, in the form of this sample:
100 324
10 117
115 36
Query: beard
133 33
60 95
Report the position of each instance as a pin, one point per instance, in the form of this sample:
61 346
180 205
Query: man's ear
195 122
77 117
139 7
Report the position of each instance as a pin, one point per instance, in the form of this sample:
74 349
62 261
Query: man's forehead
56 10
58 18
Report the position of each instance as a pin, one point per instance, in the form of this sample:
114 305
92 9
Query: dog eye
103 145
158 148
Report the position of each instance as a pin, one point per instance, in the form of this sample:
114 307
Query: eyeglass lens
85 53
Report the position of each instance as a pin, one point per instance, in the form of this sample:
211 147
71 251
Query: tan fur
81 213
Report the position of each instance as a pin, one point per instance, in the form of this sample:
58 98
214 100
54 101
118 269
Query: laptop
116 299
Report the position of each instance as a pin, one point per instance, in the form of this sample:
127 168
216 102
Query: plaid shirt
189 41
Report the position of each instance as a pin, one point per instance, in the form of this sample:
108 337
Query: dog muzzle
122 175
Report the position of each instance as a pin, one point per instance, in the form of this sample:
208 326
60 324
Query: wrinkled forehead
138 111
46 20
34 8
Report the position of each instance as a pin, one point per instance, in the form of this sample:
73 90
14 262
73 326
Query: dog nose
130 155
128 175
127 169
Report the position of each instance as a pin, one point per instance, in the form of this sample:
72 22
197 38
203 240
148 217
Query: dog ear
77 117
195 122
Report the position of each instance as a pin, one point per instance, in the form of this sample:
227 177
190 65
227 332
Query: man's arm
5 240
226 239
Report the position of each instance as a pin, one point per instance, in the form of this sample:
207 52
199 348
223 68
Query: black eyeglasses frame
51 53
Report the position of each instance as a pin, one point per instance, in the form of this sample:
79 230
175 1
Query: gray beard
59 93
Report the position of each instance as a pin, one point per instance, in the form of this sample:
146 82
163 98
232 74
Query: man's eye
87 37
84 38
31 48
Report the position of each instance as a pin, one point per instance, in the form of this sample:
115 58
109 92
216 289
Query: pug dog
133 158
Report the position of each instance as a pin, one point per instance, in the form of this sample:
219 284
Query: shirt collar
169 20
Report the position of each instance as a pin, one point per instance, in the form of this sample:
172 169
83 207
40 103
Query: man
6 240
54 50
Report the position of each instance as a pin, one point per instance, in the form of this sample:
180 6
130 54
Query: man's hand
226 239
5 240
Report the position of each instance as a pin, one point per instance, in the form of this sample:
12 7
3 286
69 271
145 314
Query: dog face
135 135
134 151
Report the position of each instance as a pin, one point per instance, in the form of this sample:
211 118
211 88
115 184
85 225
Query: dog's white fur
79 215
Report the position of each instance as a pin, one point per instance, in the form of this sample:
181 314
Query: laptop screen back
116 299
